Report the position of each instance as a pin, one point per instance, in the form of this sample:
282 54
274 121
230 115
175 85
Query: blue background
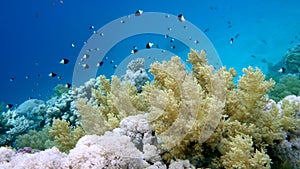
36 34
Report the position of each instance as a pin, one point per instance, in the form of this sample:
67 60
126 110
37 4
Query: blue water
37 34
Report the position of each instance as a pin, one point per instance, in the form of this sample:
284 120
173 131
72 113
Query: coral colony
181 119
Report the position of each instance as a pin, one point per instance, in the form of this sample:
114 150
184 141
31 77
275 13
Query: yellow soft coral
251 94
240 154
185 108
114 102
65 136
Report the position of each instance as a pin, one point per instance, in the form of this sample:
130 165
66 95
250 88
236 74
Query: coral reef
101 152
287 85
180 120
65 136
287 81
34 111
50 158
291 60
59 90
113 102
241 154
136 74
183 111
40 140
15 125
61 108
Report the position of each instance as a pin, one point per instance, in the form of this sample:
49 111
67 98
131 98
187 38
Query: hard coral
94 151
292 60
287 85
136 74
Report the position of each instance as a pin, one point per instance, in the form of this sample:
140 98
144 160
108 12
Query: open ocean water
35 35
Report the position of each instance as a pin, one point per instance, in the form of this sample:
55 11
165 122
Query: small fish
26 77
61 1
281 70
172 40
73 45
11 79
264 60
100 64
231 41
85 66
92 27
149 45
59 77
8 106
206 30
133 51
64 61
173 47
52 74
236 36
138 13
68 85
181 18
112 61
253 56
85 56
115 66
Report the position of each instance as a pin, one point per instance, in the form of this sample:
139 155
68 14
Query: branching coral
91 118
114 102
40 140
240 154
136 74
65 136
287 85
185 108
182 116
94 151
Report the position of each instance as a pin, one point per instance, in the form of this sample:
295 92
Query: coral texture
65 136
136 74
40 140
185 108
240 154
102 152
287 85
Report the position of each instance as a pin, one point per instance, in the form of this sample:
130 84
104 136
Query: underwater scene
123 84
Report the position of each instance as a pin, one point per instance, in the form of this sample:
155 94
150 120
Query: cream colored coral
240 154
185 107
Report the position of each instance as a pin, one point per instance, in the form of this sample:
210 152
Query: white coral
5 155
50 158
111 150
180 164
138 128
